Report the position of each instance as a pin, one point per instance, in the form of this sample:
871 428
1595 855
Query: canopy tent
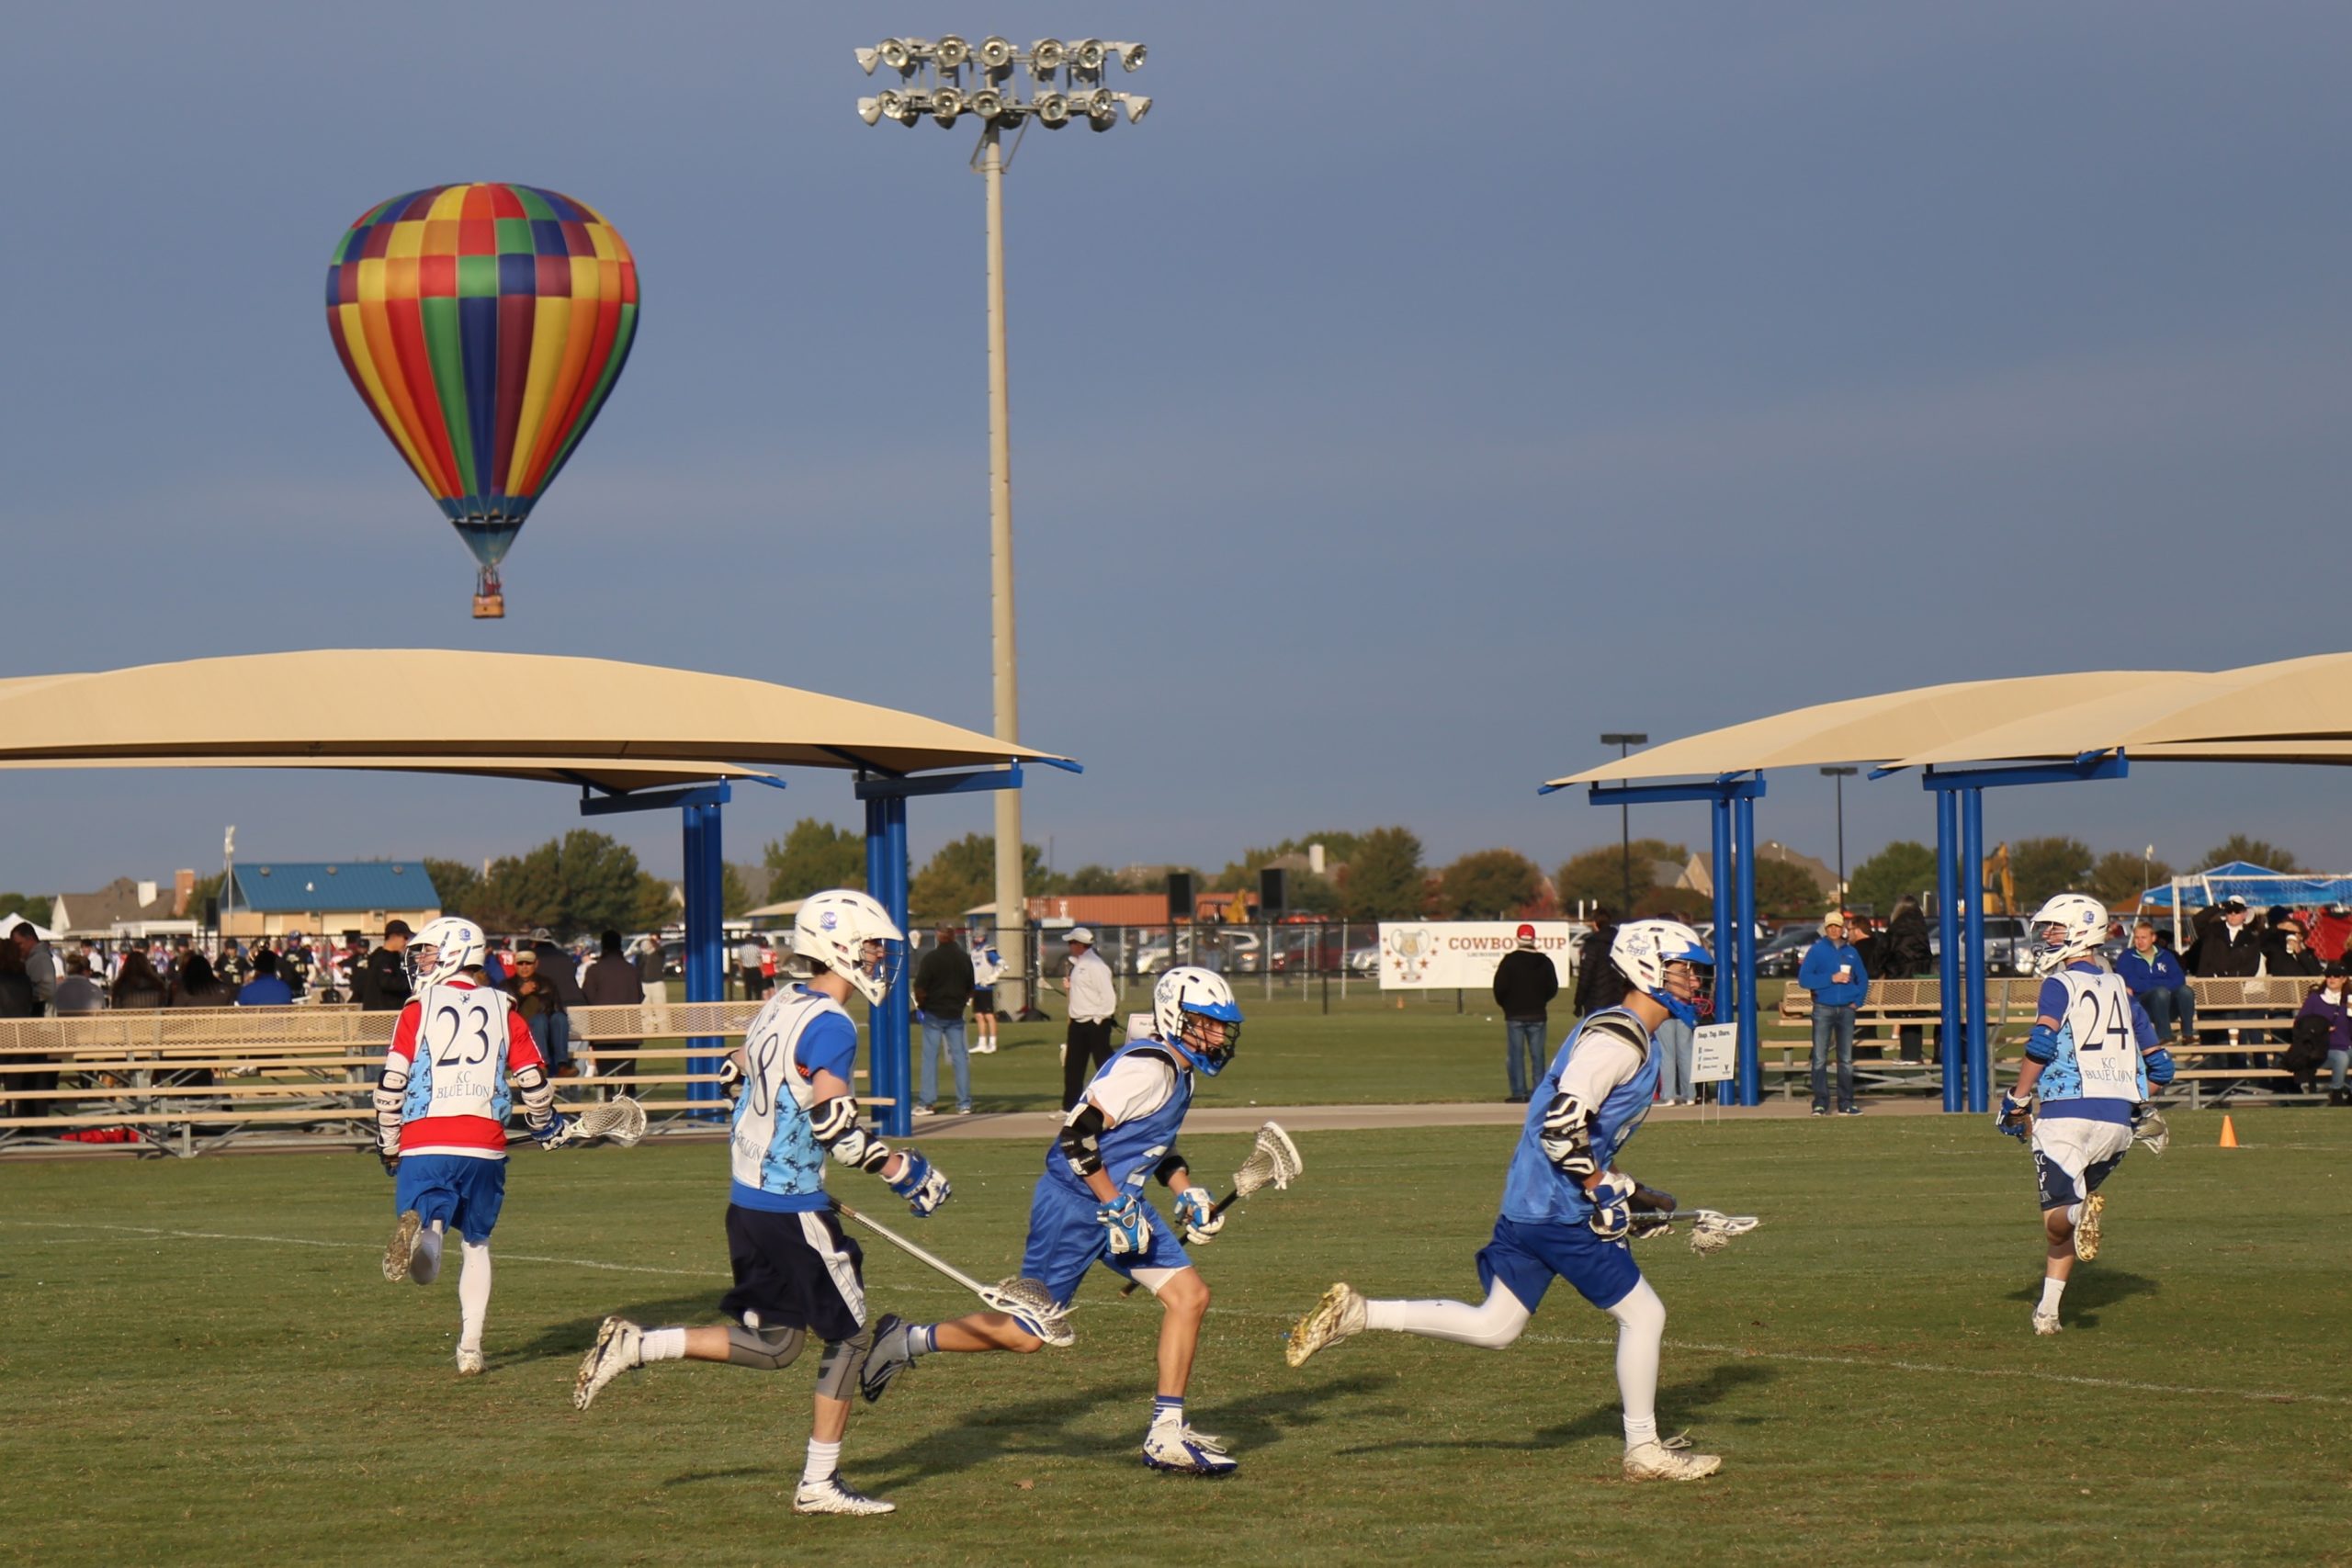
11 921
2258 885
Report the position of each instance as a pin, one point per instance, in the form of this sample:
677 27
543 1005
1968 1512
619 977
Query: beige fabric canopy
600 772
511 714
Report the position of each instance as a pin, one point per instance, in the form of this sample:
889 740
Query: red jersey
459 1043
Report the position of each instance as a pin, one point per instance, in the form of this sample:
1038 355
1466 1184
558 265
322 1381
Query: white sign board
1448 956
1714 1054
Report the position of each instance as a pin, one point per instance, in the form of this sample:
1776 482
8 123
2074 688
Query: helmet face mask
1193 1008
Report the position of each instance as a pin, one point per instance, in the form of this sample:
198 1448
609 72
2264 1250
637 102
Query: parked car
2007 948
1365 960
1786 950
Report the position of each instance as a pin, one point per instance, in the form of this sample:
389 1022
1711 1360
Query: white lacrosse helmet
1643 948
832 931
1186 996
454 944
2070 926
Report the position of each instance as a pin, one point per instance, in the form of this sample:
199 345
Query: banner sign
1447 955
1714 1051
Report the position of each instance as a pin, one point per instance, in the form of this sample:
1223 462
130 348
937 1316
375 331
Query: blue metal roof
302 887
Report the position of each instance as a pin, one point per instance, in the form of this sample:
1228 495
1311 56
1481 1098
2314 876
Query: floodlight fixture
988 103
951 52
996 53
1046 55
945 105
1053 110
1087 54
870 109
868 59
1130 55
899 53
1138 105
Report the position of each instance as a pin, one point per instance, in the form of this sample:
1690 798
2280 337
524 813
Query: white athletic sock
2074 1214
1490 1326
473 1292
922 1338
662 1344
2050 1291
424 1263
823 1460
1166 1410
1640 1329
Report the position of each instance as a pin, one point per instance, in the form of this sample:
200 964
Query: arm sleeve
1136 1086
1599 1064
828 1046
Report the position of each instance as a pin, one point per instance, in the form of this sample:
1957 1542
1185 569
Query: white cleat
834 1495
890 1357
2087 1229
1338 1315
1656 1462
469 1361
1178 1449
2045 1323
400 1251
619 1346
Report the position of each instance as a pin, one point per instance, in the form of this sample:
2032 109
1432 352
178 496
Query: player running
1089 1207
795 1273
1566 1209
441 1108
2091 1056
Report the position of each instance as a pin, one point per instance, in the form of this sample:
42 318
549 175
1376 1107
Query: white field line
1742 1352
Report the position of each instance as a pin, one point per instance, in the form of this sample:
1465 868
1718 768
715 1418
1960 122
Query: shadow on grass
1676 1403
571 1340
2091 1289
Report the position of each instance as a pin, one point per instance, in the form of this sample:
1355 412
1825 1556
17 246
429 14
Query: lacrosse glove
922 1185
1196 1212
1613 1212
2016 1118
730 1081
392 1163
1128 1222
551 1135
1652 1212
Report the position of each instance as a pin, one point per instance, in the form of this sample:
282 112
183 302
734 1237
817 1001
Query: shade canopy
504 714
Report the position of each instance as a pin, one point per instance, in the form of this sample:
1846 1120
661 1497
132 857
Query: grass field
202 1364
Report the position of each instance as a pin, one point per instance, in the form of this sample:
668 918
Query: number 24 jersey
2102 1031
462 1043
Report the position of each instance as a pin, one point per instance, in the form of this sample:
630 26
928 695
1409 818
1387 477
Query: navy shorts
795 1270
1526 1258
464 1194
1066 1240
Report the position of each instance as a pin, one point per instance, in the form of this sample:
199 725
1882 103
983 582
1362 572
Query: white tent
10 923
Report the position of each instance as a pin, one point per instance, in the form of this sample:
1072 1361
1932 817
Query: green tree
655 907
2043 868
1093 878
583 882
814 856
1786 891
963 875
1597 876
1241 875
2118 877
1384 880
34 906
1903 866
1685 904
458 884
1487 885
2255 852
734 898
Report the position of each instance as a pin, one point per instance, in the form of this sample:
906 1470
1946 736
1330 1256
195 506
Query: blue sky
1416 394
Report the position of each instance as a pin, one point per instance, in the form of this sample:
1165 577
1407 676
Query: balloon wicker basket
490 598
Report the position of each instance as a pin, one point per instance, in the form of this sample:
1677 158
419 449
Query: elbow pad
2159 1063
1169 1166
1081 1141
2042 1045
1567 1137
834 1123
538 1096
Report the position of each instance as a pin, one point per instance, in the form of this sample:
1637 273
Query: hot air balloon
484 325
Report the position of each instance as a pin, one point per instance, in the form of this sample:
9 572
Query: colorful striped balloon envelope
485 325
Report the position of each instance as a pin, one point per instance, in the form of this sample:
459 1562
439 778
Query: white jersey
776 1161
2098 1054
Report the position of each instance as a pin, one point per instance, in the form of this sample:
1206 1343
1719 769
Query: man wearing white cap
1093 1002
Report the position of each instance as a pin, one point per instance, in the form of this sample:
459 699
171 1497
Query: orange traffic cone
2229 1134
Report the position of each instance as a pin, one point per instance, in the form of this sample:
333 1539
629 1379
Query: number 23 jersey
460 1042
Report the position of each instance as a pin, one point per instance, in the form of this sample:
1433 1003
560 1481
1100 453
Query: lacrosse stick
621 1119
1710 1230
1022 1298
2149 1131
1273 1161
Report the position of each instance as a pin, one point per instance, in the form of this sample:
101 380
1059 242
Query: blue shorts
1525 1257
1066 1239
464 1194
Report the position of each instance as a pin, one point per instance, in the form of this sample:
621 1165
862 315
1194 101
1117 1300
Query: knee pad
763 1349
838 1369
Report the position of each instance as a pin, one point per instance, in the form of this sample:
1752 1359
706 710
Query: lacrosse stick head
2150 1131
1712 1232
1273 1161
621 1119
1026 1302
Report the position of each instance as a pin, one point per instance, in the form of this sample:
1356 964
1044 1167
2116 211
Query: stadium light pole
1624 743
1841 775
1065 81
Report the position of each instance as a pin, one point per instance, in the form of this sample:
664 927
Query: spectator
2329 1005
2284 949
1525 982
2228 946
1594 970
294 963
943 989
1093 1003
536 998
652 977
2158 984
379 982
138 986
750 968
559 972
1833 972
18 1001
986 965
1904 953
611 982
266 989
77 992
196 986
40 964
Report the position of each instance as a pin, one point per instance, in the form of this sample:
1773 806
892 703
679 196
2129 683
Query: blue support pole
1726 978
1947 885
889 1070
1972 851
705 943
1751 1075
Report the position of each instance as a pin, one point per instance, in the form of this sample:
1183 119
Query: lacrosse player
795 1273
1089 1207
441 1106
1567 1210
2093 1052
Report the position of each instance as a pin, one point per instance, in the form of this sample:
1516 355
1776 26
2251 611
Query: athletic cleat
468 1361
834 1495
890 1357
1338 1315
1181 1451
2087 1229
1654 1461
2045 1323
619 1346
400 1251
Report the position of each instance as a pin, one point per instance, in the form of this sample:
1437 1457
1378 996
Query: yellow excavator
1998 887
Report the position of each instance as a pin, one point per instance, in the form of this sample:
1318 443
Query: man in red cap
1525 982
